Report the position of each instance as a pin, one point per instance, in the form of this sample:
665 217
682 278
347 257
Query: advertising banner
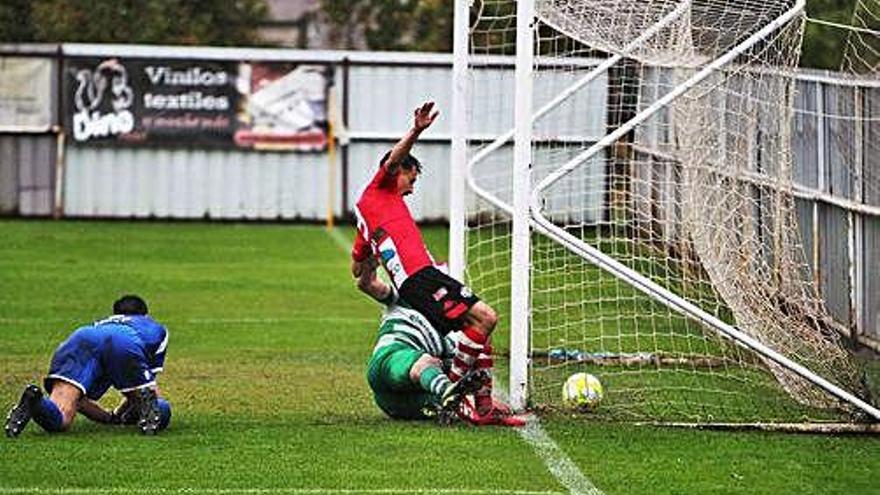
285 106
25 94
266 106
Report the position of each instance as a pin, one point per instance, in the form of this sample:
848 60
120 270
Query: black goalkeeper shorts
438 297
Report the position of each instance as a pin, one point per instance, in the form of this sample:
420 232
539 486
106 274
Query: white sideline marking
339 239
560 466
269 491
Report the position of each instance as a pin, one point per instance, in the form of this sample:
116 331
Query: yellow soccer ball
582 391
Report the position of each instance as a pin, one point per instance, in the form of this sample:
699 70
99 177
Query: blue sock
165 409
48 416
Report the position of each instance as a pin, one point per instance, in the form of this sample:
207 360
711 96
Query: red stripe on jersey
361 249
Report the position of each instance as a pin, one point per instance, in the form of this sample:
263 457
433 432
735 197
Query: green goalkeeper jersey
404 337
408 327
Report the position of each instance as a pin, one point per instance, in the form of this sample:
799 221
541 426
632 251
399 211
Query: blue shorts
95 358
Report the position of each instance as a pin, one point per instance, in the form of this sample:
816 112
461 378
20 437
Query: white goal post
682 309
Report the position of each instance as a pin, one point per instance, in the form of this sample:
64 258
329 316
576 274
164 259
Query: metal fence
42 175
837 169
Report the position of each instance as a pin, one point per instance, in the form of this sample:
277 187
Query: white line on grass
560 466
269 491
339 239
558 463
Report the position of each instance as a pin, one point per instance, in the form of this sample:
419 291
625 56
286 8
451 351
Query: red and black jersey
387 230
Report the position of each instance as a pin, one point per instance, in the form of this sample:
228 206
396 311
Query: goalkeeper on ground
125 351
408 369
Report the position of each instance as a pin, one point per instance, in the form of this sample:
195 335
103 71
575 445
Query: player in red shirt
388 234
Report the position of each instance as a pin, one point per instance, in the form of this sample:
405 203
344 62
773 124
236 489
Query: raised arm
423 117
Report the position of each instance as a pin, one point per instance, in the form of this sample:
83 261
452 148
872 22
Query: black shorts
438 297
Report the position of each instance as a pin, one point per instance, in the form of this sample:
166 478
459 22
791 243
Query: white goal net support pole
458 152
521 241
729 65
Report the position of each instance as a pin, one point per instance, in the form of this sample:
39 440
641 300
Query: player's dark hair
409 162
130 305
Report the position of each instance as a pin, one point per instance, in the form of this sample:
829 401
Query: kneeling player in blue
124 351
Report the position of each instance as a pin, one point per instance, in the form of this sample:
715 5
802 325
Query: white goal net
666 257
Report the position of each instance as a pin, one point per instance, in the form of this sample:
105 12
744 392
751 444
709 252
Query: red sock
470 345
483 396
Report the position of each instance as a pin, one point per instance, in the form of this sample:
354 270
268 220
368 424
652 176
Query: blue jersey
124 352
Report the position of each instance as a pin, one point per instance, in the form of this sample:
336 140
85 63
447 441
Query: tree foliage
177 22
823 46
416 25
15 21
427 26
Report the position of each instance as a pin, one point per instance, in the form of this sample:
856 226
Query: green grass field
265 370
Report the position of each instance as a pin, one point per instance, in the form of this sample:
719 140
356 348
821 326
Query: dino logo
102 101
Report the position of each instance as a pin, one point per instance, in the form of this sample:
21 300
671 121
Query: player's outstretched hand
424 117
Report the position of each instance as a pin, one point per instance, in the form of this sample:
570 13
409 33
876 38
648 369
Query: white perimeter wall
382 91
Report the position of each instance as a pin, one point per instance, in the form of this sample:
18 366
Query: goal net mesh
697 198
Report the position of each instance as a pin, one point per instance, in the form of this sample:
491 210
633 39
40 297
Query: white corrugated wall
383 91
192 183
